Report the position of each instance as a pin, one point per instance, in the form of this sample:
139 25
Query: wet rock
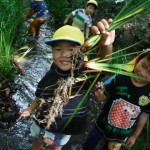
9 112
8 116
4 125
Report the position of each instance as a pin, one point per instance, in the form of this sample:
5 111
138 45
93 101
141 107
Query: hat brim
51 42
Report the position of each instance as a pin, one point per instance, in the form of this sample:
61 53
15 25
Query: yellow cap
94 2
67 33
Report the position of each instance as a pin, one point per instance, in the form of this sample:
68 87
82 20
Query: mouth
66 61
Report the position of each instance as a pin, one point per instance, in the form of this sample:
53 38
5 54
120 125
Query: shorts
48 137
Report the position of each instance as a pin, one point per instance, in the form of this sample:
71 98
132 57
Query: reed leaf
124 69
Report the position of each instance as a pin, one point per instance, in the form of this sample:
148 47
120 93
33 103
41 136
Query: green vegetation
11 12
60 9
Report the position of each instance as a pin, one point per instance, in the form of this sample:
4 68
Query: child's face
62 54
142 69
90 9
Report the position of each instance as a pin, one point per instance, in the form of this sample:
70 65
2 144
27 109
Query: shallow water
36 64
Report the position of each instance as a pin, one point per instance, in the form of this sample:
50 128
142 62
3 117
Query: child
82 17
39 8
64 41
126 109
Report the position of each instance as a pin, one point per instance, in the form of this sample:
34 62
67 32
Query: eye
71 49
125 110
143 65
57 49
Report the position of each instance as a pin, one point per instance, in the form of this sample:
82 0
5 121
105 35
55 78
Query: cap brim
51 42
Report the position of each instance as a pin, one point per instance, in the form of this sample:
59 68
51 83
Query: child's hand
65 21
26 112
99 93
102 26
130 141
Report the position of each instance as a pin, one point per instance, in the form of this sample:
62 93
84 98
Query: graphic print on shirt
122 114
144 100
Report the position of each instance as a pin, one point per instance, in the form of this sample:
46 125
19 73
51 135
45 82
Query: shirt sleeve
75 12
89 22
42 86
32 5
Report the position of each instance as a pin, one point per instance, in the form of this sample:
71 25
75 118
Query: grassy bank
11 12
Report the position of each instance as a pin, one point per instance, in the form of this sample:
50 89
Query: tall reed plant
11 12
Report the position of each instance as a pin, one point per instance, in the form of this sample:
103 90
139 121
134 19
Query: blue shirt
39 7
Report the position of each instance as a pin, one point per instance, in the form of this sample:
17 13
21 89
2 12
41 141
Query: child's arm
29 14
107 38
67 18
99 93
87 31
140 125
26 112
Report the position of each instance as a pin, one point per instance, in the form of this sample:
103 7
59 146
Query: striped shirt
45 90
81 20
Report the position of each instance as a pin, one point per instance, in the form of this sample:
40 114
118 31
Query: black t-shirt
124 105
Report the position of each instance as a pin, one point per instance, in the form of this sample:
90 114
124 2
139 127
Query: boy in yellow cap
64 41
39 8
126 109
82 17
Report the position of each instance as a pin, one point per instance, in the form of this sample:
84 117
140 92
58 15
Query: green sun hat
67 33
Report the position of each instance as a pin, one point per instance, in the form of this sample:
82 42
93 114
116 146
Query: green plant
11 16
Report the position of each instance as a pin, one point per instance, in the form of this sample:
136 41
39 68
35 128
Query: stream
36 64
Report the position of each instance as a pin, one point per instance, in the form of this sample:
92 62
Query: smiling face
142 69
62 54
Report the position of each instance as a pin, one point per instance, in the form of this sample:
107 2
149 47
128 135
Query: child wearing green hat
82 17
55 136
39 8
126 109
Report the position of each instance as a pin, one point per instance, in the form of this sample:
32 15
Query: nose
65 53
